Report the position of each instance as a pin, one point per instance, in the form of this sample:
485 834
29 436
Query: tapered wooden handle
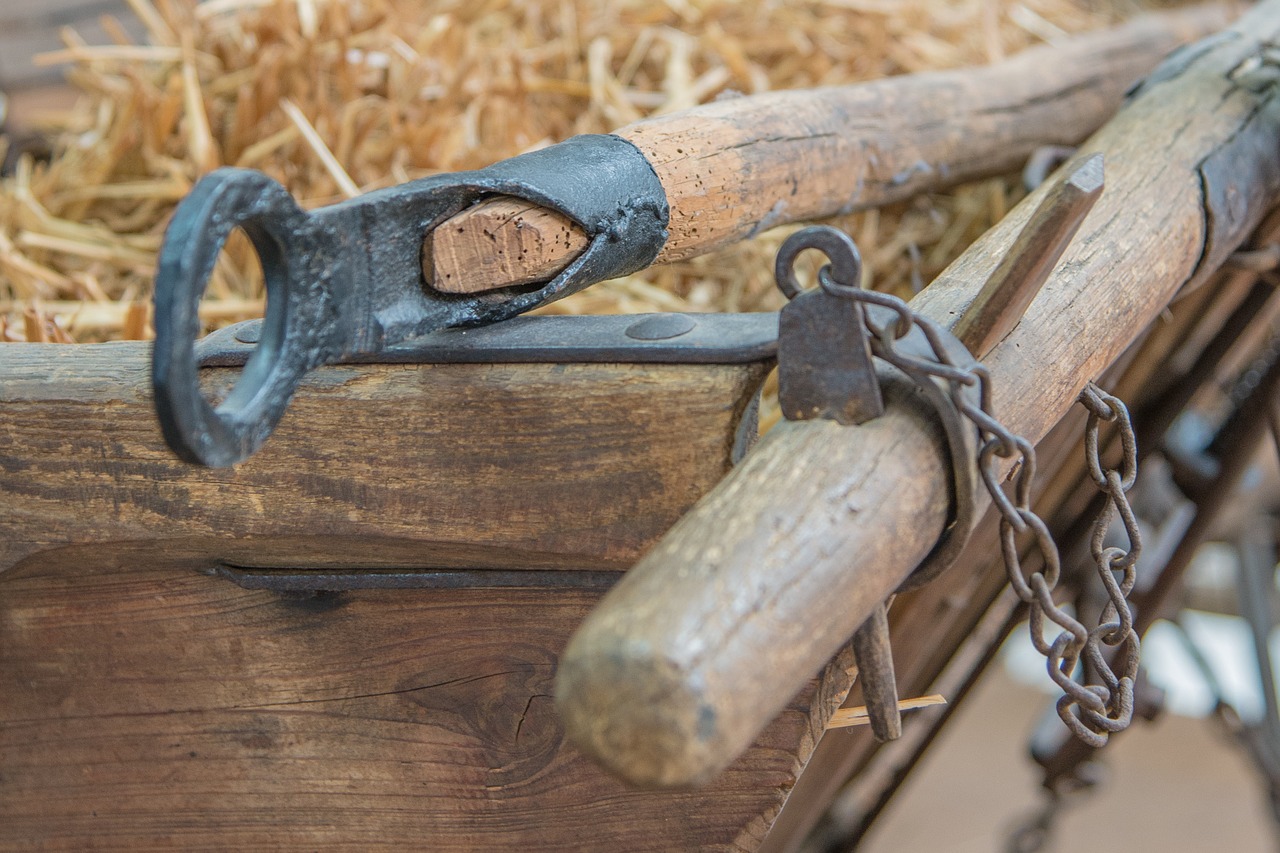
706 638
739 166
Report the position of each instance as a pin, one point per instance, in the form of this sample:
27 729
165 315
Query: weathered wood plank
393 465
156 705
149 706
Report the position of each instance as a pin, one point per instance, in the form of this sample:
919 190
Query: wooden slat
457 465
147 706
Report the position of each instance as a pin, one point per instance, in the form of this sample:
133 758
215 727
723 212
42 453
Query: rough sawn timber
147 706
691 654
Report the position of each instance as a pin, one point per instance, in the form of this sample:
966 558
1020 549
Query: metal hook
845 262
824 356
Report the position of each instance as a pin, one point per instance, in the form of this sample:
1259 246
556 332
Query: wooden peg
1004 298
861 716
507 241
874 656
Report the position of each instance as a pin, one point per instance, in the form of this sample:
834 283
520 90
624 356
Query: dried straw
337 98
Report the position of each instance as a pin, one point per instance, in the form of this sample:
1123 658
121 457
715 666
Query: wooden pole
704 641
736 167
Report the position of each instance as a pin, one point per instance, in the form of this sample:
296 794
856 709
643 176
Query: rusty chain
1105 699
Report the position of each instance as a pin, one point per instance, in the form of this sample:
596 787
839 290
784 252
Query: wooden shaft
739 166
705 640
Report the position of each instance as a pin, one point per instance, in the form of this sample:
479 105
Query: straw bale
337 98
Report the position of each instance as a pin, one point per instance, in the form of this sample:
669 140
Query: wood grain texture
739 166
396 465
148 706
1004 298
513 242
775 568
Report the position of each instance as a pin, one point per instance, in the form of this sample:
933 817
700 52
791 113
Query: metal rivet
250 333
661 327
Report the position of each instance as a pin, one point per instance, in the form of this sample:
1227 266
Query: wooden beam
461 465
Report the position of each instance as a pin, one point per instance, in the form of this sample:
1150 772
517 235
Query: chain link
1105 700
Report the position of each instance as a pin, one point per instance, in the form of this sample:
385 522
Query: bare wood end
500 243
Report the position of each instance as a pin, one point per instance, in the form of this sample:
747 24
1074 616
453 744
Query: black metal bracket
307 582
346 279
693 339
600 338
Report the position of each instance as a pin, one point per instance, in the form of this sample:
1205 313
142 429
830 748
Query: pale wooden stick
858 716
159 29
261 150
134 327
114 316
97 251
34 327
167 189
113 52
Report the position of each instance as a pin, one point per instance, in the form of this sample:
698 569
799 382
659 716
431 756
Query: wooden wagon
352 638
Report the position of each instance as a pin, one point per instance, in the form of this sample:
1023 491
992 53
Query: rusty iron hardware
958 392
818 362
874 655
827 372
597 338
1208 476
346 280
